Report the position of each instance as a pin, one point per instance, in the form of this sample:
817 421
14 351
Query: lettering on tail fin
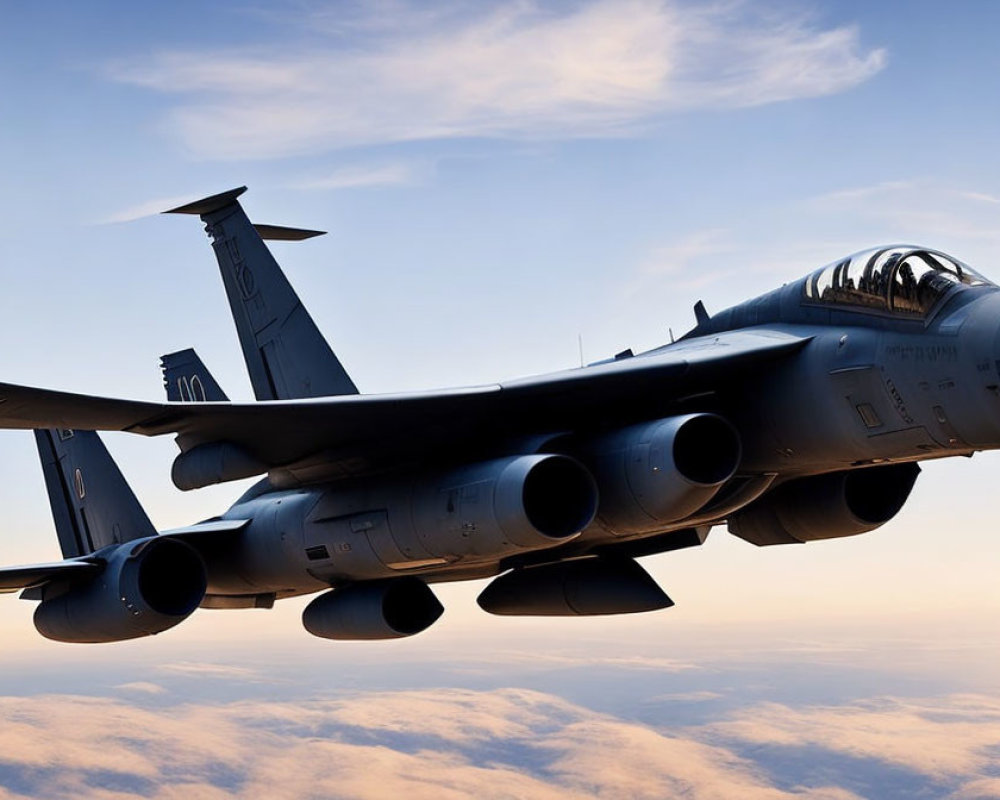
92 504
285 353
187 379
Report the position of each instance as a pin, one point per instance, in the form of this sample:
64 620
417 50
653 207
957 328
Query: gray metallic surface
286 355
186 379
146 587
581 587
373 610
13 579
827 506
391 527
660 472
308 441
799 415
92 505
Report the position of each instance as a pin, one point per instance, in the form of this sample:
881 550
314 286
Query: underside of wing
28 408
358 434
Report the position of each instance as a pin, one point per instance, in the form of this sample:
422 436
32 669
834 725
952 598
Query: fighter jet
797 416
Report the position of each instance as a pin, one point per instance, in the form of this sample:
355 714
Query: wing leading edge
356 432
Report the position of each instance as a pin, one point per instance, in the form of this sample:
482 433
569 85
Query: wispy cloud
211 670
728 258
701 696
361 176
940 738
144 687
983 197
746 259
537 660
518 69
864 192
920 211
681 261
983 789
455 715
147 208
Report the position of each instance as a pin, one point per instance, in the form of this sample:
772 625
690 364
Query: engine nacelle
582 587
659 472
387 609
826 506
147 586
526 502
476 512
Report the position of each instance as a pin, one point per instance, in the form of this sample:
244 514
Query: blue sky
497 180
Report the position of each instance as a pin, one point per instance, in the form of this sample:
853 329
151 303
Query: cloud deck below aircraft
456 743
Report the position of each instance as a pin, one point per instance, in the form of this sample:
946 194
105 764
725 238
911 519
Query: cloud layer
453 743
601 68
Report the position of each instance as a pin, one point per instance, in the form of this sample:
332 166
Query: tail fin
187 379
285 353
92 504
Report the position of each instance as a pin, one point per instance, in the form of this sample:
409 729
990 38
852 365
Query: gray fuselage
871 386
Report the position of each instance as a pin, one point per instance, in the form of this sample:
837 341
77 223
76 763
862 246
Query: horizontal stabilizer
209 204
279 233
13 579
285 353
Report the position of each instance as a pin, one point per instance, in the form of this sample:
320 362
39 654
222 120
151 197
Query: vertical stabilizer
92 504
285 353
187 379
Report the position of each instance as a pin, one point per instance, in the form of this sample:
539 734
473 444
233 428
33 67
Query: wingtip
209 204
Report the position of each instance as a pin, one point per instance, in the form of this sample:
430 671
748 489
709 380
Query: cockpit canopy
903 280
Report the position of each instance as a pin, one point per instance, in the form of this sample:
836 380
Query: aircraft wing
358 432
13 579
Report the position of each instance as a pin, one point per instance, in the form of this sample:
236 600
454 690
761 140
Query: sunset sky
499 181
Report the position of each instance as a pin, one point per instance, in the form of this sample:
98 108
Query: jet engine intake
147 586
826 506
582 587
388 609
663 471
